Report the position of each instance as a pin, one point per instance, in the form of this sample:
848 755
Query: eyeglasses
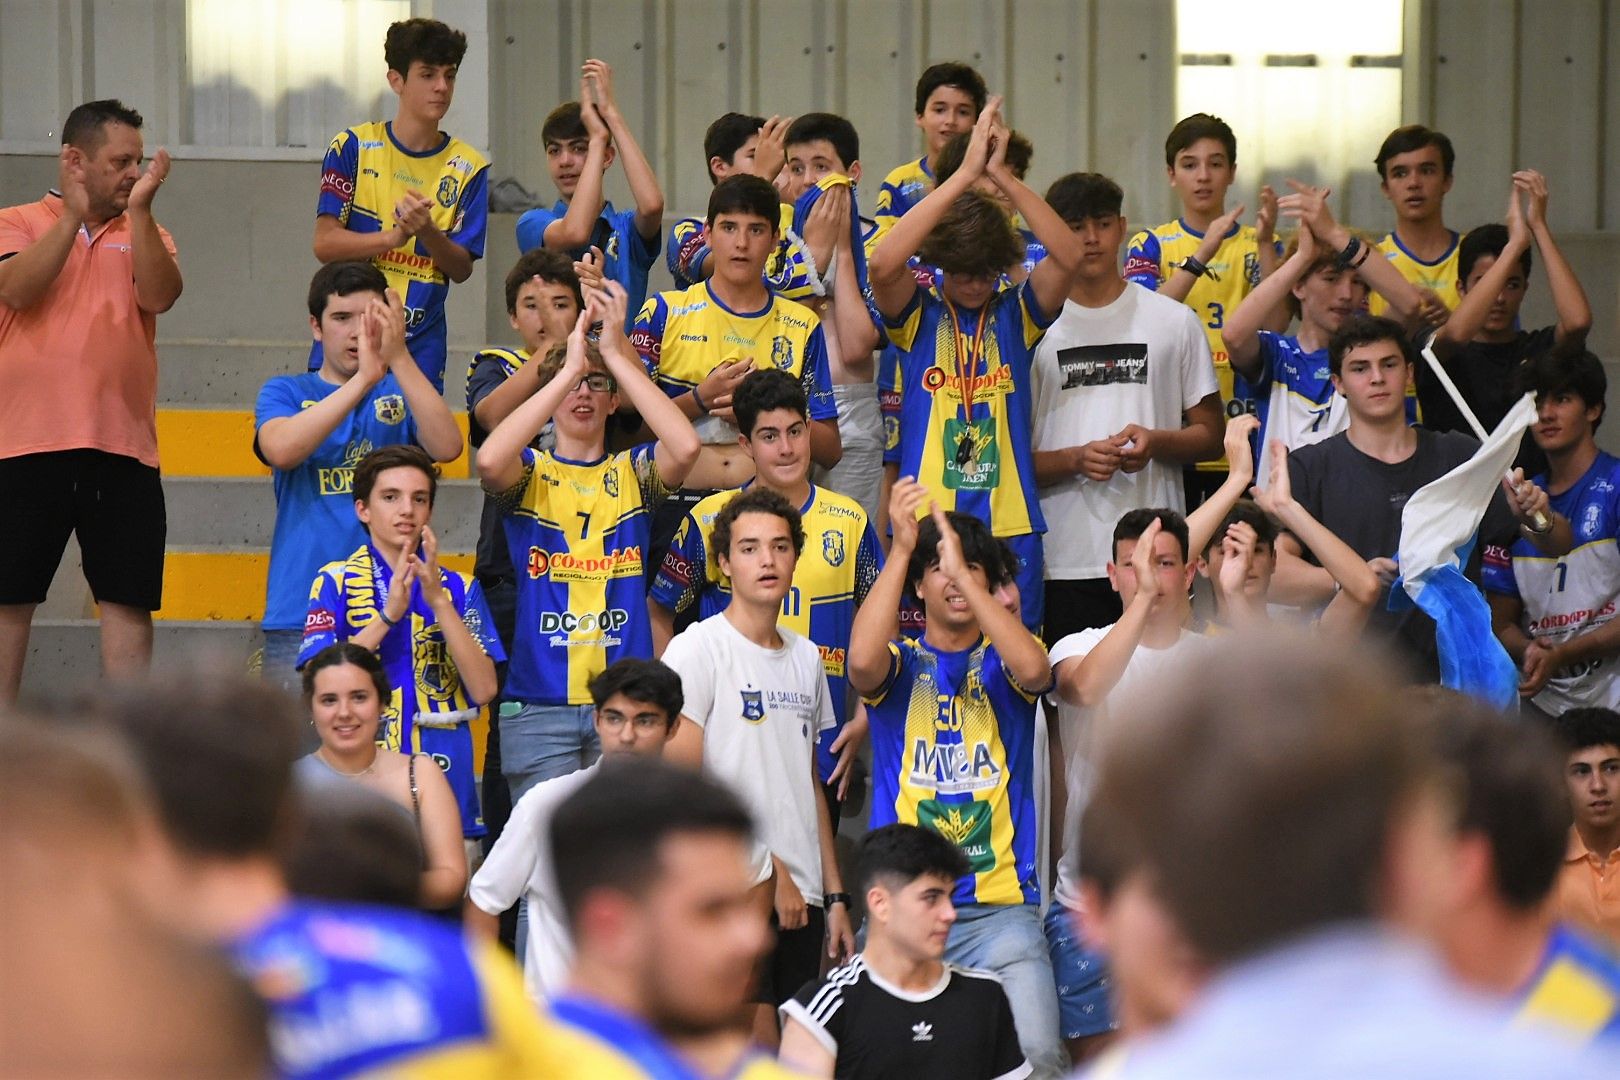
645 723
599 381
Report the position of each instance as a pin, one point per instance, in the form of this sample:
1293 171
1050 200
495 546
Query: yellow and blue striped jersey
841 559
1576 989
353 989
684 335
1152 257
345 597
786 271
903 188
956 402
365 174
586 1040
1440 275
578 532
953 749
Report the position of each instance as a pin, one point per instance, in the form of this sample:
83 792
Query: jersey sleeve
471 222
640 251
1197 365
688 247
819 1012
476 617
1033 322
1496 571
647 334
903 328
897 664
868 563
1142 260
825 719
1026 692
531 227
684 569
278 398
1008 1057
321 621
684 657
484 377
1270 355
339 170
506 870
817 379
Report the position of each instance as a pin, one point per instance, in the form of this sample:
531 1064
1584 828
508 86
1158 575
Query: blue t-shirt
626 254
315 520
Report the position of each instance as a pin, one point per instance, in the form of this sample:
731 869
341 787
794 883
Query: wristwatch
836 898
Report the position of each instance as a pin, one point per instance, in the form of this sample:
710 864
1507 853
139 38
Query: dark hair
400 455
744 193
728 135
1404 140
1323 260
563 124
831 127
1581 729
979 548
1361 329
86 126
1020 153
1100 856
1514 793
756 500
216 749
556 356
427 40
764 390
1202 125
549 265
899 854
343 279
1482 240
1081 196
1133 523
953 74
974 238
355 845
1550 373
1245 512
347 652
1292 771
648 681
608 833
1011 564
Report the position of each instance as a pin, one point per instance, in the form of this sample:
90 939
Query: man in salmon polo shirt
84 274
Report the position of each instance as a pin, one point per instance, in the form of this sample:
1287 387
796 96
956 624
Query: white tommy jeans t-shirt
1143 359
1077 727
761 711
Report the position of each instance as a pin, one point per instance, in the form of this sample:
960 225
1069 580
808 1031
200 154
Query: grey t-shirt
1361 498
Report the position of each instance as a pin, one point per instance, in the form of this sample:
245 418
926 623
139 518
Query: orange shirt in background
1589 890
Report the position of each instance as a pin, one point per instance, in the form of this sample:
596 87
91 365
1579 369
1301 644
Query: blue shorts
1081 977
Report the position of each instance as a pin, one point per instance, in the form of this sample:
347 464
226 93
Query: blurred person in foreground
1305 838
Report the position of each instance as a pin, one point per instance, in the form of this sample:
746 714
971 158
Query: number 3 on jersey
1217 315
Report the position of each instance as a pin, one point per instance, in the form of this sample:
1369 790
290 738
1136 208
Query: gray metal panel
1473 103
1559 103
32 45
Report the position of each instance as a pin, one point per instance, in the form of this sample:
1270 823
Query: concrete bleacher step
228 374
63 654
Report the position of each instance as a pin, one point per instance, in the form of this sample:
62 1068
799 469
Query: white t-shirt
1078 727
520 865
761 711
1143 359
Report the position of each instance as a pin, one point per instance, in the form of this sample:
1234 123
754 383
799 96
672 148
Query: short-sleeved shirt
953 750
1575 990
488 370
959 393
960 1029
355 989
78 367
1141 359
684 335
840 561
365 174
1439 276
626 254
431 709
1294 391
315 520
1569 596
1152 257
904 187
1589 889
786 271
578 533
761 711
1485 373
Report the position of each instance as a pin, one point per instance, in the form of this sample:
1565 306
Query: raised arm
877 621
500 459
1207 517
1471 313
285 442
1021 652
1054 275
573 229
1569 299
1087 680
436 428
29 273
1181 279
678 443
649 197
1241 333
473 665
157 275
1309 206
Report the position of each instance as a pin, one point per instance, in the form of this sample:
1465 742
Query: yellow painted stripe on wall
229 585
219 442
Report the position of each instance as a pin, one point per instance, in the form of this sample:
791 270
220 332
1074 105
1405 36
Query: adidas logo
922 1031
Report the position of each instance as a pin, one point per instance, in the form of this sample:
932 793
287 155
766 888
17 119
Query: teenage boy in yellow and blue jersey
578 525
952 716
1415 172
957 406
949 97
841 556
405 195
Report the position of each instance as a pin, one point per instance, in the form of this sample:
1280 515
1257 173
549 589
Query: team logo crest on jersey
781 352
390 409
753 706
832 547
436 676
449 188
1251 268
1591 520
610 484
967 825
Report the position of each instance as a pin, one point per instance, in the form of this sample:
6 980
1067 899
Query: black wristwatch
836 898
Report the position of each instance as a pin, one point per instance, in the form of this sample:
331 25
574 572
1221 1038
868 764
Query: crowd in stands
1080 558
